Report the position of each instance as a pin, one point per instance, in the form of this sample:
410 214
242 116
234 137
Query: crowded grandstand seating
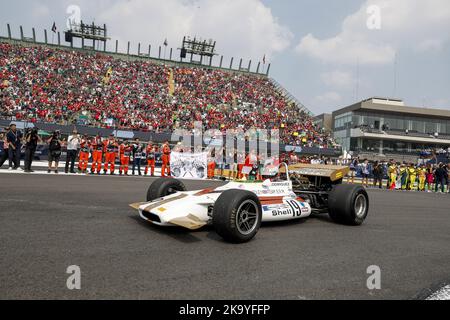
42 84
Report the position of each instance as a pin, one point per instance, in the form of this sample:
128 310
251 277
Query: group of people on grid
430 177
97 153
402 176
105 152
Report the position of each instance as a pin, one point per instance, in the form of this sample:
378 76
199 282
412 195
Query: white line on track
441 294
43 172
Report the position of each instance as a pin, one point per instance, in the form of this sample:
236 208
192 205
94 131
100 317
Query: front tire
348 204
164 187
237 216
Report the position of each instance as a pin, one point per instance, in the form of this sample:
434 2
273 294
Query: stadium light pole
9 31
395 75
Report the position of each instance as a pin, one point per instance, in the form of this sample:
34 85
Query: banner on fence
189 165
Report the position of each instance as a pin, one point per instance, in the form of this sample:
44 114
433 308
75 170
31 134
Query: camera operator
73 145
31 138
55 145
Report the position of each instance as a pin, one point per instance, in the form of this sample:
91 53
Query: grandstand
60 85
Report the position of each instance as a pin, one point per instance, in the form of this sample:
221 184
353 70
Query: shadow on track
177 233
188 236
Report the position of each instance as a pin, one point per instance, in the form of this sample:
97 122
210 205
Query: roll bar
286 167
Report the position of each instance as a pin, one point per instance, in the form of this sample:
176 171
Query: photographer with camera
73 145
31 141
55 145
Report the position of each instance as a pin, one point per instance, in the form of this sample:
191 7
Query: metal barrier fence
157 137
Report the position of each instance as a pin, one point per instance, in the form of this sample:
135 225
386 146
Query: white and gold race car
237 209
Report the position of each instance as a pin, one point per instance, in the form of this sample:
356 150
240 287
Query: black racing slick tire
237 216
164 187
348 204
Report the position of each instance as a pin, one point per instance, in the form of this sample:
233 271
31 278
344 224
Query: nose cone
136 206
190 222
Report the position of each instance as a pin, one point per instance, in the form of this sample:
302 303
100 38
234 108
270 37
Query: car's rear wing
335 173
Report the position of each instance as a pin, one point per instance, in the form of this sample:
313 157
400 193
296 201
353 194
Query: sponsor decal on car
289 207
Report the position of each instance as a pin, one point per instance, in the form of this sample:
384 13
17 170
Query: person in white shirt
73 145
365 173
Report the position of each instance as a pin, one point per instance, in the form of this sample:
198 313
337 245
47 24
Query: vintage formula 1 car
237 209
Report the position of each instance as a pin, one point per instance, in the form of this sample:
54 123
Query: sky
328 54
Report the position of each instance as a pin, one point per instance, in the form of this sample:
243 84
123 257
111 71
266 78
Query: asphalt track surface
50 222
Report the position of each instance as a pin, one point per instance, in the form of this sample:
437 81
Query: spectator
14 139
392 175
429 178
353 167
378 173
3 149
73 145
422 173
138 154
55 146
447 169
440 178
365 172
403 176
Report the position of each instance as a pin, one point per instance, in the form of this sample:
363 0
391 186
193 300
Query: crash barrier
90 131
158 137
333 172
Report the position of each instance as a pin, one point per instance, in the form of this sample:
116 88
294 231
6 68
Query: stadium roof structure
394 106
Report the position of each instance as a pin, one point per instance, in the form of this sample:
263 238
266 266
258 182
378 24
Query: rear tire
164 187
348 204
237 216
